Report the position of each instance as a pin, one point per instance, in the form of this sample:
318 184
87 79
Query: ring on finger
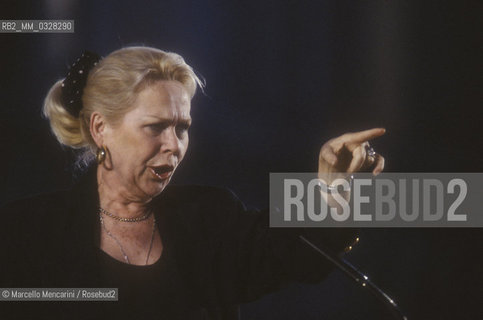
370 152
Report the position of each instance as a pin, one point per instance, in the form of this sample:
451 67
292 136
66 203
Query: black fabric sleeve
251 259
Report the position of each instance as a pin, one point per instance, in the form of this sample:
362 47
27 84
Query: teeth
159 175
156 174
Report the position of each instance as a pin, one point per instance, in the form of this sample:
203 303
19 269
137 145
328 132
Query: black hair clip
73 85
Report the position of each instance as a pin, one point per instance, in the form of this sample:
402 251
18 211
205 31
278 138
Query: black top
216 255
138 286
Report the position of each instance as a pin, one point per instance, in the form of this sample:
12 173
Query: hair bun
73 85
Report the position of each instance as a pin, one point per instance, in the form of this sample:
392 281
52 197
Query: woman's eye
156 128
180 129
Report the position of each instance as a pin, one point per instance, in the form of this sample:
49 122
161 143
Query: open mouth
162 172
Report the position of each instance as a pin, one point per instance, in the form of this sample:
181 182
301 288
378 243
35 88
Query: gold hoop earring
101 154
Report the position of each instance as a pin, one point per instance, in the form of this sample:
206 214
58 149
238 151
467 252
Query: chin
157 189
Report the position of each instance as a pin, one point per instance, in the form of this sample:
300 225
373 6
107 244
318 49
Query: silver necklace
136 219
126 258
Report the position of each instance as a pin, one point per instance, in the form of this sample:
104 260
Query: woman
174 252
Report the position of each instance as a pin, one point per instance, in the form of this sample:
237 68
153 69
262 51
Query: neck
116 198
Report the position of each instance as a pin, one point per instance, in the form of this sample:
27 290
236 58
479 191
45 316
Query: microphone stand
361 279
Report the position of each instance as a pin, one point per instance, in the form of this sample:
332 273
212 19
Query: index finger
366 135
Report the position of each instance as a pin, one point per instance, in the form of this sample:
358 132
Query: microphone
361 279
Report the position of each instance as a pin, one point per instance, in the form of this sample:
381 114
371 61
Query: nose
170 142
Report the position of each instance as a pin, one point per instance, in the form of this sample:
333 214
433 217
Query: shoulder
201 209
32 213
35 202
198 195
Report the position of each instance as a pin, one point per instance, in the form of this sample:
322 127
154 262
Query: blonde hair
111 89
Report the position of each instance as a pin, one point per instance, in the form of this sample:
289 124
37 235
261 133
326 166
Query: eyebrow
161 119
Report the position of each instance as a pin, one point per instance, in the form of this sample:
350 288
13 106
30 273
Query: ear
97 128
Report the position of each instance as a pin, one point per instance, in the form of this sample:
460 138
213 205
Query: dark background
282 78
